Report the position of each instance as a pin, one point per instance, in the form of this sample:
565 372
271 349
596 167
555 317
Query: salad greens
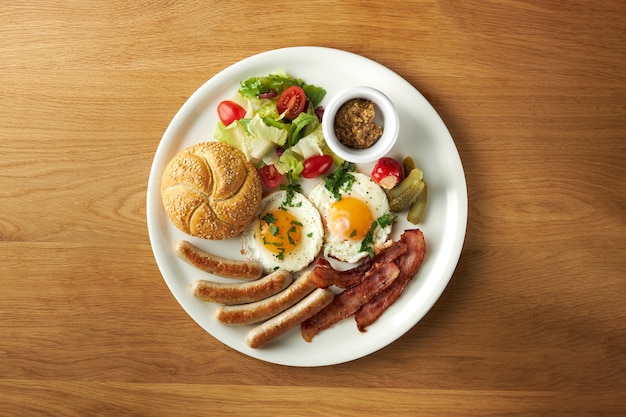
267 137
278 82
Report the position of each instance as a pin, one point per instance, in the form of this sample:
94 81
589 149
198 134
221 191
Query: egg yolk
349 218
280 232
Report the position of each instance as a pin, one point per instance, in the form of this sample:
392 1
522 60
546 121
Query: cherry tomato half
270 176
291 101
229 111
316 165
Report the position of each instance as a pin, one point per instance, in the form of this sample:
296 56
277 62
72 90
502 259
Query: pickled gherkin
408 165
403 195
419 206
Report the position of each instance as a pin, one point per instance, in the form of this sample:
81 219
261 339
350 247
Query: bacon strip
348 302
409 263
324 275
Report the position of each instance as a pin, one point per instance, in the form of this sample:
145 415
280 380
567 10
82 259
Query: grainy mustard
355 126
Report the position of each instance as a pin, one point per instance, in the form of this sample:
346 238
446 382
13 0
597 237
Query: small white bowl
386 117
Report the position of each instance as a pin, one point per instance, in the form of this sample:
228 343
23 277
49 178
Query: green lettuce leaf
234 134
291 163
311 144
278 81
303 120
259 130
314 94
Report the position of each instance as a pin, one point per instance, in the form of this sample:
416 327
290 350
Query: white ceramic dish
389 120
423 136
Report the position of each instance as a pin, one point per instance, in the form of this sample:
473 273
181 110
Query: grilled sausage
288 319
243 292
217 265
268 307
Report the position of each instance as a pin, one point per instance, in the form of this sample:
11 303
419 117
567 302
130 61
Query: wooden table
533 321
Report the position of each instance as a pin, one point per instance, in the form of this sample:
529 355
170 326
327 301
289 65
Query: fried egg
348 221
287 233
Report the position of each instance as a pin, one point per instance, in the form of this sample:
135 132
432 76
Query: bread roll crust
210 190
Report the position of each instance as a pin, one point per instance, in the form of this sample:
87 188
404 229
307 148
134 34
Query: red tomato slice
291 102
316 165
229 111
270 176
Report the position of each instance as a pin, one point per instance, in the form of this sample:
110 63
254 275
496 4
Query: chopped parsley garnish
291 230
368 241
268 243
269 218
341 180
386 219
310 234
291 189
274 230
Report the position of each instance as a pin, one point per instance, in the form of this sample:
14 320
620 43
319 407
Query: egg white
365 189
312 234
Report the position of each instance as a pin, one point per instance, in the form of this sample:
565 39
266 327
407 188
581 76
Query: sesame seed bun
211 191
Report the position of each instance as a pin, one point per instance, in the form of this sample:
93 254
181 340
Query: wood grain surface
533 321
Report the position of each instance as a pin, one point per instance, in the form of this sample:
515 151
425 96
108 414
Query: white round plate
423 136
